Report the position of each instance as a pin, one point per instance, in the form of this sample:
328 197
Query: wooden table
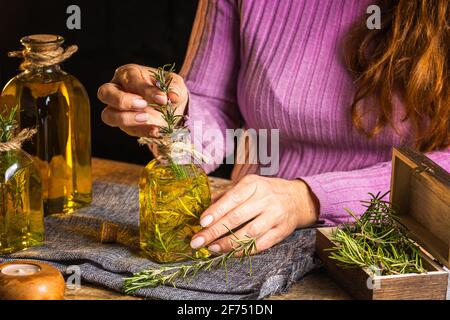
314 286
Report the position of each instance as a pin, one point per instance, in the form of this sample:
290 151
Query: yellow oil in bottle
57 105
21 215
170 208
61 148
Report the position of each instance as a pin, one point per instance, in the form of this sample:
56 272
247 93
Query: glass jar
21 212
57 105
174 191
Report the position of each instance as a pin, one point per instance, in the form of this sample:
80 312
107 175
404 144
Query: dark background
112 33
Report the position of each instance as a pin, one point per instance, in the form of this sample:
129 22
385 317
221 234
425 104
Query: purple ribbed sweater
276 64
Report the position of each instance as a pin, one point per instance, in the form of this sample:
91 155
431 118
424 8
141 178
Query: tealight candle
30 280
20 269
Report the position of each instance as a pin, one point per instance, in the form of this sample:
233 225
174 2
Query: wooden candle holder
30 280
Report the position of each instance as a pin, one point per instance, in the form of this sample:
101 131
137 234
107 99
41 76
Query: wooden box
420 195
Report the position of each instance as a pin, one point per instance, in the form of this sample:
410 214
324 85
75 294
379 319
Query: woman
342 96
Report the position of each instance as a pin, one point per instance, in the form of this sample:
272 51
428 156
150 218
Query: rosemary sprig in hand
169 274
173 129
163 79
377 240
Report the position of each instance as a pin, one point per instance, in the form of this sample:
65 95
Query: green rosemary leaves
8 123
169 274
174 131
163 79
377 241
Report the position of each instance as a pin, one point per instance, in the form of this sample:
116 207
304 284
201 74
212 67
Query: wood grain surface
315 286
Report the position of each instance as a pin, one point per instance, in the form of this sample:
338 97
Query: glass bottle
174 191
57 104
21 212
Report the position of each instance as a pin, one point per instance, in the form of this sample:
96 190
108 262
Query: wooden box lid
420 195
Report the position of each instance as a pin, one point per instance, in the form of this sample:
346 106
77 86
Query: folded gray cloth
74 240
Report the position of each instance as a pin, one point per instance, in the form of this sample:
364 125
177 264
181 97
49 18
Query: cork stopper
42 42
42 50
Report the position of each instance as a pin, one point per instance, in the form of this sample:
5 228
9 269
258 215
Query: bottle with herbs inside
57 105
21 214
174 189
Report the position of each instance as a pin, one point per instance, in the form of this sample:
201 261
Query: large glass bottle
174 191
21 214
57 104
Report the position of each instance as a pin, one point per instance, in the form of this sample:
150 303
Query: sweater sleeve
210 71
338 190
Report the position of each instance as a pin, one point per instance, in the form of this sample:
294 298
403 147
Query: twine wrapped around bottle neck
44 58
168 148
16 142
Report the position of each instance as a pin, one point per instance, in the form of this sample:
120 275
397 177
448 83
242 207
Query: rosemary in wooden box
21 212
174 190
378 241
396 249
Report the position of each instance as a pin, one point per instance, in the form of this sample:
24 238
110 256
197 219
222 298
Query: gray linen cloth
74 240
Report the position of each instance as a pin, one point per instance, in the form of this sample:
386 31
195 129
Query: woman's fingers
129 97
135 79
217 195
254 229
113 95
115 118
141 131
230 200
233 219
178 91
269 239
130 88
138 79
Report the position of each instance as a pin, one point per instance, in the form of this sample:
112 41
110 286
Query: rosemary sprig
15 185
8 123
163 79
12 189
169 274
377 240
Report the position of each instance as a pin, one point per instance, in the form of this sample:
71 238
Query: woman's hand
269 209
128 95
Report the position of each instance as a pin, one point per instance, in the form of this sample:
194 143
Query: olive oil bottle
174 189
172 196
21 213
57 105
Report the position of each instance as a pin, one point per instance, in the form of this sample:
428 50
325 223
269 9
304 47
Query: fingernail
197 242
206 221
214 248
160 99
141 117
174 91
139 103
